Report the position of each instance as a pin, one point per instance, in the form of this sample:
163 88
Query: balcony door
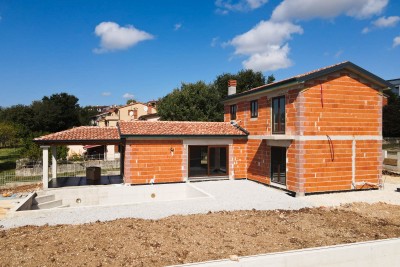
278 165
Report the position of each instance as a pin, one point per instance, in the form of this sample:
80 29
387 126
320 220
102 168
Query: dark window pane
254 109
278 114
233 112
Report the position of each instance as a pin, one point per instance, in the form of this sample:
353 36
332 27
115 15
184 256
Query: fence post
45 161
398 161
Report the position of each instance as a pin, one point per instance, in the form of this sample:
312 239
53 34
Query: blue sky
101 51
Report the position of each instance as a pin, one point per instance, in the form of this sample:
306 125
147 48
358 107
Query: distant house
396 88
320 131
130 112
110 117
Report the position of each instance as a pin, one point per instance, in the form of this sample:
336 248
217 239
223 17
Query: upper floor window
233 112
278 115
254 108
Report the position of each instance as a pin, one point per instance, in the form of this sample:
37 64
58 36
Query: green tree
21 117
246 80
190 102
131 101
85 115
56 113
270 79
8 134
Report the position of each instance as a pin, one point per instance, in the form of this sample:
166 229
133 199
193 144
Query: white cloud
177 26
225 6
128 96
214 41
256 3
114 37
106 94
273 58
366 30
382 22
385 22
266 45
396 41
309 9
338 53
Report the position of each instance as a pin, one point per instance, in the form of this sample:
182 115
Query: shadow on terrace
105 168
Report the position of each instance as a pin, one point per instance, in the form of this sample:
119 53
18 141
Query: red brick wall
349 107
146 158
239 159
258 161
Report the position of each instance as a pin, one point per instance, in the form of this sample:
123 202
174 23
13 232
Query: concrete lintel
271 137
316 137
205 142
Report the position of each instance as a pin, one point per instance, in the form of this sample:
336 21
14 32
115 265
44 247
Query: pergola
84 135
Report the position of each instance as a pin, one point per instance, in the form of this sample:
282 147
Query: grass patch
8 157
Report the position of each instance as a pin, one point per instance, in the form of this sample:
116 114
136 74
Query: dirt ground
20 189
183 239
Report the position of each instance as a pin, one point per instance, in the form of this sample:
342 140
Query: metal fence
31 172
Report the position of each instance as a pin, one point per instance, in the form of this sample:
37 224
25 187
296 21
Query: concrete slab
226 195
366 254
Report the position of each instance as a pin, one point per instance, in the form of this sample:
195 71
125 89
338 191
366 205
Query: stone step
63 206
43 198
48 205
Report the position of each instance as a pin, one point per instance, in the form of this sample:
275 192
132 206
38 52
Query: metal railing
31 172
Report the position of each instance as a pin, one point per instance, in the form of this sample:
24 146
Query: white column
53 162
45 159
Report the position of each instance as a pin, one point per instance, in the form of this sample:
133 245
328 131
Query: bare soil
20 189
193 238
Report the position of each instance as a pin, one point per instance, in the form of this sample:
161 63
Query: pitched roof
315 74
84 134
179 128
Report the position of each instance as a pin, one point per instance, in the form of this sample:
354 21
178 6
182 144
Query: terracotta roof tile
151 128
83 133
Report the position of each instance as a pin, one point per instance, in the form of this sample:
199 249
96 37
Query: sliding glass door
208 161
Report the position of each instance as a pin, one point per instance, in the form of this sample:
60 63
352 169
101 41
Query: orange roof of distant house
89 134
179 128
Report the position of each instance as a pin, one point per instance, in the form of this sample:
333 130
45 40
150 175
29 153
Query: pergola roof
82 135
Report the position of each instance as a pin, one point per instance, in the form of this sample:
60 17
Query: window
254 108
278 115
233 112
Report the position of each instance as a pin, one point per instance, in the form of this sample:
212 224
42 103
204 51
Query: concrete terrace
227 195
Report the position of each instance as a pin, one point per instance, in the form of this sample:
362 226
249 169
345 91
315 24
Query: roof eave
266 88
160 136
77 142
348 65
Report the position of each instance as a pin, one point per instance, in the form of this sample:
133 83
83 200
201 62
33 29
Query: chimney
231 87
149 109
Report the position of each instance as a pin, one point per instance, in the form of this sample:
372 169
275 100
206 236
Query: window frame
254 109
280 109
233 111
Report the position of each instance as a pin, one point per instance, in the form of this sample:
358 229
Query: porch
80 173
